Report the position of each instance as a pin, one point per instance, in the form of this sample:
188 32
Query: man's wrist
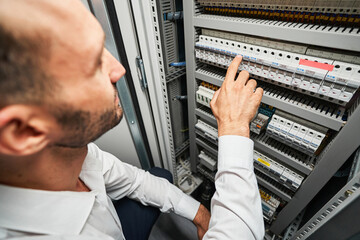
234 129
201 215
202 220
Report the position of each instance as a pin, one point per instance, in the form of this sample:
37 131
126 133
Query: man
57 87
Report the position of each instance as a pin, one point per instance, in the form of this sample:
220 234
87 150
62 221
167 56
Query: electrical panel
306 57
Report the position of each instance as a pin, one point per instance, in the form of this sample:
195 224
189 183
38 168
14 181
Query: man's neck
53 169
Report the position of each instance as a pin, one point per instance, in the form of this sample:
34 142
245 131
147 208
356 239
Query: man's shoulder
93 149
94 158
97 159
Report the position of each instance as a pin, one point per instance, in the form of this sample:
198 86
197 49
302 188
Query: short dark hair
23 79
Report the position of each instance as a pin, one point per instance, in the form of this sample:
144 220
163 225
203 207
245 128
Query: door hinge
141 73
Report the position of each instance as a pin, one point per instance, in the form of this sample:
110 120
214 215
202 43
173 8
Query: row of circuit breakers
305 136
332 80
263 165
337 13
291 66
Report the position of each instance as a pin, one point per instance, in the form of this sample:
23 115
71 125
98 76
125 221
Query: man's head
57 82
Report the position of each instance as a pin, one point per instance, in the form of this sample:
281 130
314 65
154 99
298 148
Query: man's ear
24 130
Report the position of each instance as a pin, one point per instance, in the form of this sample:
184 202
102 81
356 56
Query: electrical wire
178 64
186 177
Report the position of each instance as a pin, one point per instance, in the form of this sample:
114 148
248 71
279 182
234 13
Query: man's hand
235 103
202 220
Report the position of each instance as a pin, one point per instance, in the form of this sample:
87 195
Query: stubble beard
82 127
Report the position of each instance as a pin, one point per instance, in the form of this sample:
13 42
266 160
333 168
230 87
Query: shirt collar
39 211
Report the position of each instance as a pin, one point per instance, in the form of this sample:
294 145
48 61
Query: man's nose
116 70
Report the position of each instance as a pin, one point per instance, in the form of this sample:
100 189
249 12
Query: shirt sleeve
122 179
236 211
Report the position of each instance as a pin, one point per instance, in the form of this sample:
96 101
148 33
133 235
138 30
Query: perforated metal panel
168 32
178 110
163 83
347 196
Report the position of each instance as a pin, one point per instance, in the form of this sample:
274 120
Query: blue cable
173 16
178 64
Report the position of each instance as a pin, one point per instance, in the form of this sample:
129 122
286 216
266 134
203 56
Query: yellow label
264 162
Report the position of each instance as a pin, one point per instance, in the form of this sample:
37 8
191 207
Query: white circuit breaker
295 134
278 171
296 70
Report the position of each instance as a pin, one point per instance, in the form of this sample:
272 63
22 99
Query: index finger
232 70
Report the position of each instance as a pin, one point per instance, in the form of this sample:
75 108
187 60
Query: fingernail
238 56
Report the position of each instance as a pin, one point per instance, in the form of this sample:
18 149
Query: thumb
214 98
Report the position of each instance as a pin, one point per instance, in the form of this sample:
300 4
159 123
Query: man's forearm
236 206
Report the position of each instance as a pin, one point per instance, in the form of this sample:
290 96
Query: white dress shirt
236 211
37 214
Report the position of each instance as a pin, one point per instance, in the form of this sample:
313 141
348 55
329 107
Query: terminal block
204 95
323 13
277 171
207 130
209 85
269 204
207 160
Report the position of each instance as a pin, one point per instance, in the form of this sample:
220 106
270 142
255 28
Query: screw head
348 193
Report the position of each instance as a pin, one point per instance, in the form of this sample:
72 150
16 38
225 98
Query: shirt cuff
235 152
187 207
